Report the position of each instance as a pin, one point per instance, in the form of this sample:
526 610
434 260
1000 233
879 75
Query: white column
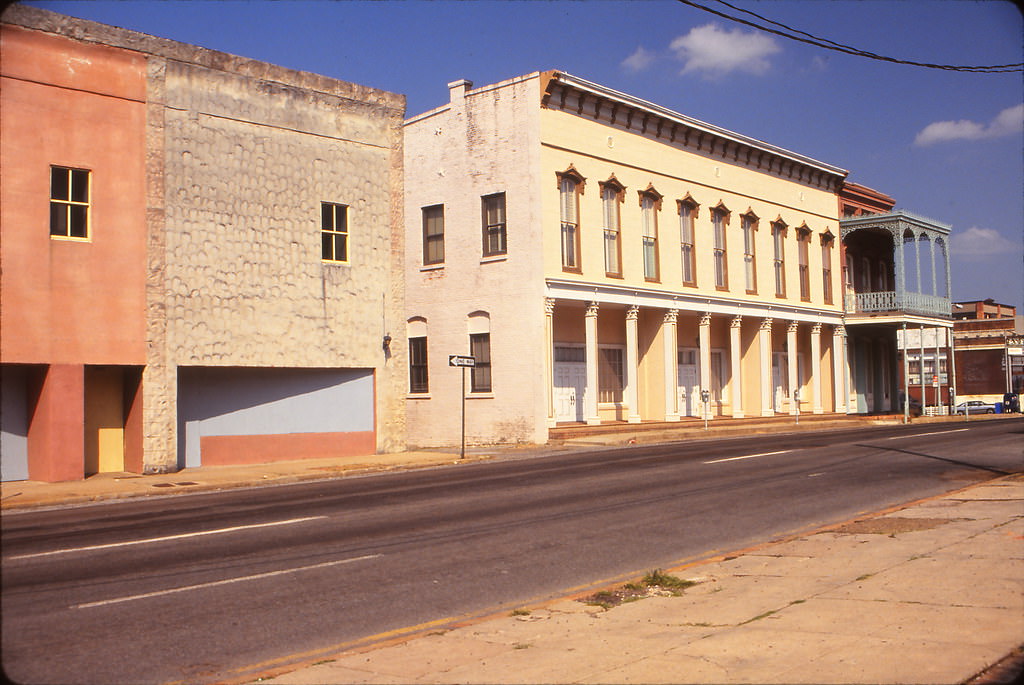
632 389
736 364
764 341
791 364
705 361
549 360
851 404
670 337
590 414
815 368
838 378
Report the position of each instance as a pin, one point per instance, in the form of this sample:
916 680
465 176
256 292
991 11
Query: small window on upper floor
494 235
334 232
433 235
69 203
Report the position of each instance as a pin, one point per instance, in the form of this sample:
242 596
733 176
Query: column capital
705 319
592 308
792 327
549 305
766 323
672 316
839 329
632 313
737 322
816 329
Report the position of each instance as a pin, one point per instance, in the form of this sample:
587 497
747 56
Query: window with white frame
69 202
649 203
803 249
719 219
611 197
687 215
749 226
568 201
779 257
433 235
826 267
494 232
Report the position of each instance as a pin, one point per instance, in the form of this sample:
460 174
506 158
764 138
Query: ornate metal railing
891 301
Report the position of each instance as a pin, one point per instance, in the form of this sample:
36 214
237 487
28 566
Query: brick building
987 363
606 259
201 253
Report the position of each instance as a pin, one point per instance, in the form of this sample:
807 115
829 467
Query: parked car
975 407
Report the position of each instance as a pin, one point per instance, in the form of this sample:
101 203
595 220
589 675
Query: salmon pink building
201 256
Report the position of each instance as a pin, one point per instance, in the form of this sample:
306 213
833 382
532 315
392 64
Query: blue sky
947 145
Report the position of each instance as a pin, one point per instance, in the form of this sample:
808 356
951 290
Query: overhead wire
810 39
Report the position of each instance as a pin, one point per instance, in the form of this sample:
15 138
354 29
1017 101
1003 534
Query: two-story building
201 256
606 259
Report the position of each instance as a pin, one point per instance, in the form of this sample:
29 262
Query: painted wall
484 141
76 105
598 151
272 414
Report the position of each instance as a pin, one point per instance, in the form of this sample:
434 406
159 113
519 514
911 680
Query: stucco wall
71 105
486 141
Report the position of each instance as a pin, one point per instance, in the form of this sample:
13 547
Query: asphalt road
206 587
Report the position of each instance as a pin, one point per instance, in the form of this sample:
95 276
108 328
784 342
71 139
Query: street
201 587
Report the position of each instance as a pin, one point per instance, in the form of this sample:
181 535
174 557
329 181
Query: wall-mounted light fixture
387 343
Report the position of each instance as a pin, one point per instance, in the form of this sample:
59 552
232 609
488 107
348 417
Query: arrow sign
461 360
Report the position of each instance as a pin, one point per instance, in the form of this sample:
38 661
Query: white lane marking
748 456
920 435
165 538
228 581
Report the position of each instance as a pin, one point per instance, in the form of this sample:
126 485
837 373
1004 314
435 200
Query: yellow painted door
104 420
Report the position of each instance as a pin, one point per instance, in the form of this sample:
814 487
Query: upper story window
803 243
687 216
69 202
570 186
650 202
334 232
433 235
749 224
826 266
611 198
779 257
719 220
494 237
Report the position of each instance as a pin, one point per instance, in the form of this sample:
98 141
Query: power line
788 31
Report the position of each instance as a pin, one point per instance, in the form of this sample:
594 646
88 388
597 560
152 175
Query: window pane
58 219
418 380
650 258
326 216
79 185
341 247
480 349
59 180
79 221
327 246
569 245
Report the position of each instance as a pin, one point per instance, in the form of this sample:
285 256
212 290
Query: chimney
458 90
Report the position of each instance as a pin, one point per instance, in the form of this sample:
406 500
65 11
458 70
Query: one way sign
461 360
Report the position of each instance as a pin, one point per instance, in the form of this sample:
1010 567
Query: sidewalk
929 593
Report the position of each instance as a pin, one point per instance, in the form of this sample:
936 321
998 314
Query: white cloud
1007 122
715 51
638 61
978 243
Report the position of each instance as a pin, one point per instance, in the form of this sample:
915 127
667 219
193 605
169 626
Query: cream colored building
607 259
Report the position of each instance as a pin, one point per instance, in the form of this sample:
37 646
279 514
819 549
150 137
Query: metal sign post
465 362
796 404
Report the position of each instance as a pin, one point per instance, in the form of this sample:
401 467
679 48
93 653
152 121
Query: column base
671 417
633 419
593 422
738 415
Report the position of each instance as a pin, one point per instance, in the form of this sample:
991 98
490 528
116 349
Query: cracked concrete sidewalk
929 593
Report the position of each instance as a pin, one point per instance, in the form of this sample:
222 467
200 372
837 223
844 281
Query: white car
975 407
